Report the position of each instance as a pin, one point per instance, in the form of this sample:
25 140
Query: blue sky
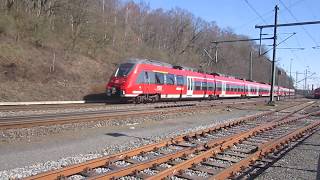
242 15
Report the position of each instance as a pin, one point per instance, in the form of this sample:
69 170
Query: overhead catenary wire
257 13
293 4
268 13
279 44
306 31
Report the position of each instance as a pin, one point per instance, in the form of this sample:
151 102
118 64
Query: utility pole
275 25
297 79
290 72
271 101
250 68
290 80
103 2
305 80
216 52
260 42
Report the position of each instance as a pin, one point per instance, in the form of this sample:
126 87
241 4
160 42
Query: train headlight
113 90
108 92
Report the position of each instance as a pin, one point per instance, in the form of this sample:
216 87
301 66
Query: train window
170 79
152 78
159 78
210 86
197 85
204 86
124 69
219 86
140 79
180 80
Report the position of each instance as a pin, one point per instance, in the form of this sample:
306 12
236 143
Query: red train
149 81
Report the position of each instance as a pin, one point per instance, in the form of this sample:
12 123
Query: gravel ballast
54 152
30 151
302 162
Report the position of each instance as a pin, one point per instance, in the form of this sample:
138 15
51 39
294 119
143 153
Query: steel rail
148 164
74 169
51 120
14 108
101 162
264 150
218 148
6 108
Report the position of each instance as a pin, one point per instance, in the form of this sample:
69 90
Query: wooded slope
66 49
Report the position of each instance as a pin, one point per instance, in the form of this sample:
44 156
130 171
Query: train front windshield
124 70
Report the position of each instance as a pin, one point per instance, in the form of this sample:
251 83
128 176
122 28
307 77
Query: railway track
219 152
134 111
17 108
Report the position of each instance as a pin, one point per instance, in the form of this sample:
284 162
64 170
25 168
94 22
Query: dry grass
25 73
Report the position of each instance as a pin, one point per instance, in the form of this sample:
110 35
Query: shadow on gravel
101 98
115 134
260 169
125 135
309 144
318 168
296 169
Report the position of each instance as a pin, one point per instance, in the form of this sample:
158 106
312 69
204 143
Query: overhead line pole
271 101
275 25
250 68
260 42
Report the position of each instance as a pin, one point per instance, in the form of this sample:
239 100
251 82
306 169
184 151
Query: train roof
159 63
149 61
179 67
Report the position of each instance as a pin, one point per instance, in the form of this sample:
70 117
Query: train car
292 92
317 93
252 88
230 87
264 89
144 81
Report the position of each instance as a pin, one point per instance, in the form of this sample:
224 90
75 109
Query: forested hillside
66 49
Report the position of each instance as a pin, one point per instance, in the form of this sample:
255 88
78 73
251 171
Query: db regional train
142 81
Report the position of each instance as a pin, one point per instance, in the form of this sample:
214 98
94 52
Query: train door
223 89
204 87
147 83
189 86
